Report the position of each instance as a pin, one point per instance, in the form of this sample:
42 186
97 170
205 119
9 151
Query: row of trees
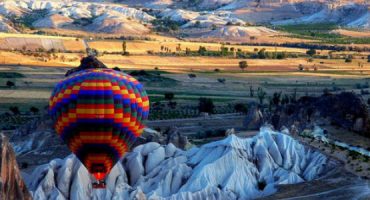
205 105
15 110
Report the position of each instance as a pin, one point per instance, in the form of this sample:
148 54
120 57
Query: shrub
206 105
34 110
221 80
10 84
311 52
116 69
243 65
169 96
192 75
348 59
14 110
240 107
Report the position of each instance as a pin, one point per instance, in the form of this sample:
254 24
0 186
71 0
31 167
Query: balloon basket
99 185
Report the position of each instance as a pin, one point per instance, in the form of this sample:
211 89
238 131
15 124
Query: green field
321 32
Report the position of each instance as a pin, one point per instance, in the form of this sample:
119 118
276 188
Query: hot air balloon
99 113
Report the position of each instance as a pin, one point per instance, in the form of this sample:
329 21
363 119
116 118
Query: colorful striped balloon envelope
99 113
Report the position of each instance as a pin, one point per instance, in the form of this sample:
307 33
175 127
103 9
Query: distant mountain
89 16
351 14
227 169
129 17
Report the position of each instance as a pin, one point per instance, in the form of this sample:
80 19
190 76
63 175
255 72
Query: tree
224 50
14 110
348 59
262 53
206 105
285 99
241 108
276 98
300 67
311 52
169 96
10 84
202 50
187 51
221 80
261 95
34 110
192 75
243 65
178 47
124 47
116 68
251 91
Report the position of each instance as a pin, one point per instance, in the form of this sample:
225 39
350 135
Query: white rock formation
209 19
179 15
351 14
106 17
232 168
239 33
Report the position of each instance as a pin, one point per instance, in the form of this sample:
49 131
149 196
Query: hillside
181 18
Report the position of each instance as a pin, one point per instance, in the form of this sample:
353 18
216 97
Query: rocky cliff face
232 168
346 110
11 183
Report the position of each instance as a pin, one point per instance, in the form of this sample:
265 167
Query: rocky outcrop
11 183
176 138
346 110
37 139
254 118
232 168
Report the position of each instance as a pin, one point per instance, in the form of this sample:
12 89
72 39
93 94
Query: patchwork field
168 69
35 42
35 84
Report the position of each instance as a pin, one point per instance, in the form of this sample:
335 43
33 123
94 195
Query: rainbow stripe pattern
99 113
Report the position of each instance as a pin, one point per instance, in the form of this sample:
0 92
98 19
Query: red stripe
95 106
95 116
